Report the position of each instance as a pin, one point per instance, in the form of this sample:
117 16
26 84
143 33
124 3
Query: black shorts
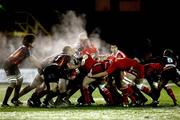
170 74
11 69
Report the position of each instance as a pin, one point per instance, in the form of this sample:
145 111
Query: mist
65 33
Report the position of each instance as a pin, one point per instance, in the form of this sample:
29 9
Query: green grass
98 111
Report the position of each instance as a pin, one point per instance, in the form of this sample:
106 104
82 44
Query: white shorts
15 78
62 85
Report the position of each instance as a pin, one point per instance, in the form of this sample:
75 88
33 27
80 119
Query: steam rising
66 33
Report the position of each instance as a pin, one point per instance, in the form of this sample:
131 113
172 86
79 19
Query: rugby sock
59 98
24 91
171 94
117 97
49 96
156 94
86 95
16 92
7 95
130 92
125 96
138 95
91 89
107 95
34 95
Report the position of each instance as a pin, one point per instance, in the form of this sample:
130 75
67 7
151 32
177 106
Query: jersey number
169 60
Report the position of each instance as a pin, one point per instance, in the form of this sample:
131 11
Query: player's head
68 50
28 40
83 36
114 48
83 40
168 52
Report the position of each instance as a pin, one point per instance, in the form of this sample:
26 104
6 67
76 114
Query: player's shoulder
22 47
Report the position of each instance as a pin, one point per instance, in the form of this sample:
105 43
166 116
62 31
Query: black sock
42 93
49 96
7 95
16 92
25 90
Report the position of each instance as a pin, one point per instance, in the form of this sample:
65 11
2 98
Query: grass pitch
95 112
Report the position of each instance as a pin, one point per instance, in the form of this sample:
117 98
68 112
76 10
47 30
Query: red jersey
19 55
124 64
152 68
100 66
87 63
119 54
89 51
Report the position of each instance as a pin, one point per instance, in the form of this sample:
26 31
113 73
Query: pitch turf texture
98 111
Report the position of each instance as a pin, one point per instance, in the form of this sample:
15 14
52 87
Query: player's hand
90 74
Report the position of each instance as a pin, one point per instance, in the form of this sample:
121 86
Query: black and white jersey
169 61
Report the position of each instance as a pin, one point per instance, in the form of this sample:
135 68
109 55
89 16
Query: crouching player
125 64
62 67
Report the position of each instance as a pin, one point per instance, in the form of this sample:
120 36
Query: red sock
125 96
170 93
130 94
107 95
86 96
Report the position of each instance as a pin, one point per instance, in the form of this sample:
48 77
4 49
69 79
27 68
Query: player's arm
72 66
98 75
35 61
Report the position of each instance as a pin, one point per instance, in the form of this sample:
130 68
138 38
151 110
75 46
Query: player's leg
105 92
85 91
15 100
38 80
126 87
12 83
112 82
91 88
40 91
170 93
11 71
62 88
52 92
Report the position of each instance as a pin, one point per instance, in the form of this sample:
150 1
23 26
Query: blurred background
136 26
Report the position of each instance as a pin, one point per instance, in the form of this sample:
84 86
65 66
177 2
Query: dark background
156 21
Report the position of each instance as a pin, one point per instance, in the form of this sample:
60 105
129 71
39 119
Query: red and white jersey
87 63
118 54
125 64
